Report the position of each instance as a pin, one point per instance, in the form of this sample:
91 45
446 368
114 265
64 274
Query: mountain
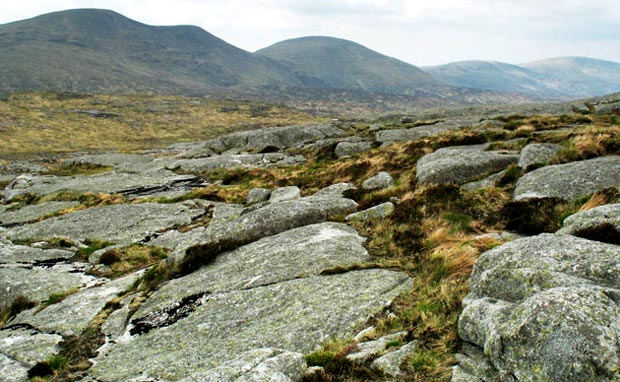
564 77
490 75
90 50
101 51
344 64
578 76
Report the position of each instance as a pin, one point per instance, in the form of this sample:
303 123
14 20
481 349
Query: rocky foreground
245 292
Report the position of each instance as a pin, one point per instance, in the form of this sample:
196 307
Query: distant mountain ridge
101 51
345 64
562 77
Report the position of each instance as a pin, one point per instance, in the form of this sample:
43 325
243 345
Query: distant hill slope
578 76
490 75
344 64
98 50
101 51
564 77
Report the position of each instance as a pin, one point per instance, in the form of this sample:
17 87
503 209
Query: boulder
73 314
121 224
536 154
609 107
544 308
571 180
131 185
31 213
255 224
347 149
230 161
28 346
601 223
266 140
132 163
258 195
386 137
379 181
389 364
292 254
489 181
38 283
295 315
377 212
461 164
371 349
283 194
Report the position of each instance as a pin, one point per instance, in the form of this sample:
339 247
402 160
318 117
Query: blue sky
421 32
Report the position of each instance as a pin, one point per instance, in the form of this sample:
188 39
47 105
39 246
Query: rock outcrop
266 140
601 223
543 308
537 154
571 180
461 164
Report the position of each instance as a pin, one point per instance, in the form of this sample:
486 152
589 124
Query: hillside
343 64
578 76
490 75
564 78
326 251
89 50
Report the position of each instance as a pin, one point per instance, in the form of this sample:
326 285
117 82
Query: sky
420 32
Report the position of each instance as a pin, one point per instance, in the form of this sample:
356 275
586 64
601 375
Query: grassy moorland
39 124
434 234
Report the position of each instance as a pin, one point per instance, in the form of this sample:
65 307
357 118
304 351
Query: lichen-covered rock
38 283
132 163
295 315
12 371
608 107
537 154
229 161
130 184
30 213
254 224
601 223
571 180
544 308
379 181
72 315
23 254
461 164
121 224
381 211
292 254
266 140
347 149
389 364
369 349
28 346
404 135
258 195
283 194
489 181
260 365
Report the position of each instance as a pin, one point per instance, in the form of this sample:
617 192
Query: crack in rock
169 315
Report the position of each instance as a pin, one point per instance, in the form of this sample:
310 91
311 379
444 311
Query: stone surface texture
571 180
544 308
461 164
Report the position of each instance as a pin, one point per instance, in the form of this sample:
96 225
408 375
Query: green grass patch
122 261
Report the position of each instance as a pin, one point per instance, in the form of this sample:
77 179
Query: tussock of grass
122 261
